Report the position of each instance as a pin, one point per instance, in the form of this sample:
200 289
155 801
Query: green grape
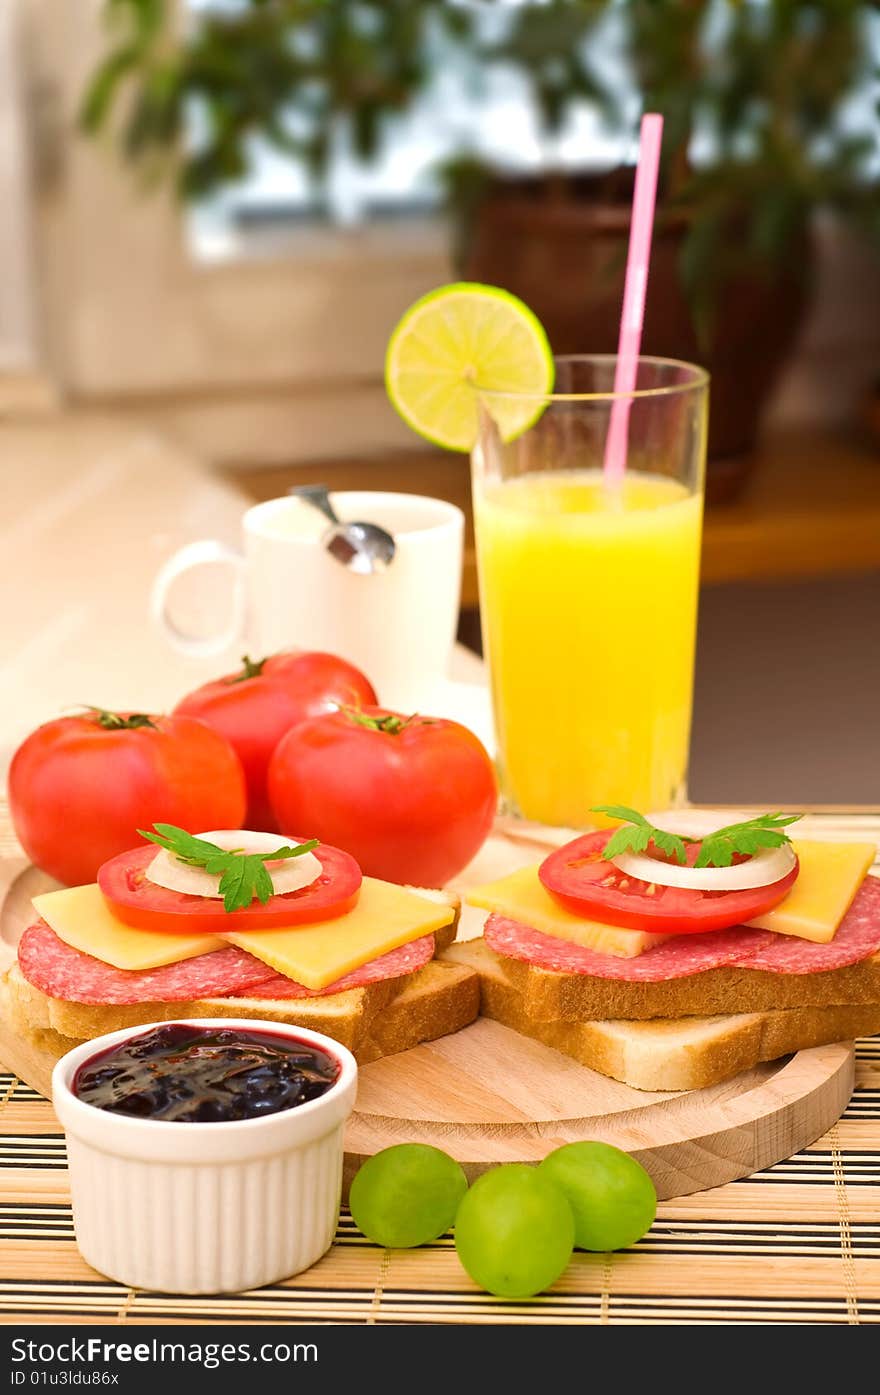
406 1195
611 1196
514 1231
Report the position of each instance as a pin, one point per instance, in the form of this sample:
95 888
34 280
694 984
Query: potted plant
762 128
760 133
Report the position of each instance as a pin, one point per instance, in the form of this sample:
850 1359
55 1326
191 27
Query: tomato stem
392 723
115 721
251 668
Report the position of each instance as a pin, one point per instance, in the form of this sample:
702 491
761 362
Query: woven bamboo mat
798 1243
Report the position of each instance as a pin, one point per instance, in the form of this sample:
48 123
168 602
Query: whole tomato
255 707
412 798
80 787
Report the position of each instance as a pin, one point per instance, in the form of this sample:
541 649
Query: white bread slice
552 997
436 1000
686 1053
370 1021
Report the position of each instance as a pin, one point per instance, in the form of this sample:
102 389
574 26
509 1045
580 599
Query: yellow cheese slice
384 918
829 877
522 897
82 919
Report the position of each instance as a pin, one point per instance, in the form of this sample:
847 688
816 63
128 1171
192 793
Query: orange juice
589 602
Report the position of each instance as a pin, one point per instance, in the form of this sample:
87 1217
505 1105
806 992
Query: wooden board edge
678 1166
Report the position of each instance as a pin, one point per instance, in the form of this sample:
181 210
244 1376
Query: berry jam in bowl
205 1156
184 1072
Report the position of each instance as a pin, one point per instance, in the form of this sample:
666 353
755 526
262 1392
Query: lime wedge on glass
457 341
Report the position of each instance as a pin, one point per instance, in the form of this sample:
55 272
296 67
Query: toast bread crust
553 997
675 1053
434 1001
376 1020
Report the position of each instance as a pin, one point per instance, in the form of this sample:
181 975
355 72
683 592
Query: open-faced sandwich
240 924
674 952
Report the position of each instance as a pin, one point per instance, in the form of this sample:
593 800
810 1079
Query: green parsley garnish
243 876
718 849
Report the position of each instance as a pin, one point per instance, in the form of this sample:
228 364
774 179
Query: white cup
398 626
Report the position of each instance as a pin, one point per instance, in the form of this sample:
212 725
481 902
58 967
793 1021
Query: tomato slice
581 880
142 904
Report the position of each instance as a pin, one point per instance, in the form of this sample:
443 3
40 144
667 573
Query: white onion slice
767 866
290 875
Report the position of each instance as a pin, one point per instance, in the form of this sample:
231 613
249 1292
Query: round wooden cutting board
488 1095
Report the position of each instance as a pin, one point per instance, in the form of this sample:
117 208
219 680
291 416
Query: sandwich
675 952
240 924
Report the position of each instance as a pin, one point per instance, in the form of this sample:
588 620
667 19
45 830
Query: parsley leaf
243 876
744 839
717 850
620 811
629 838
637 834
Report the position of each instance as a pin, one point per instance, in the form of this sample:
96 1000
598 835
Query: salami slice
394 964
62 972
857 938
678 957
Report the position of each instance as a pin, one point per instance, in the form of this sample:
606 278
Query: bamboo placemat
797 1243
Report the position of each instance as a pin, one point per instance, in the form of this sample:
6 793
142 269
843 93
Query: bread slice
686 1053
436 1000
377 1019
551 997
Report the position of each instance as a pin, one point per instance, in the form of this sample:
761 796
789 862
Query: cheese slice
385 917
829 877
521 896
82 919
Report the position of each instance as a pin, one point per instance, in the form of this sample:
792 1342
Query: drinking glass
588 588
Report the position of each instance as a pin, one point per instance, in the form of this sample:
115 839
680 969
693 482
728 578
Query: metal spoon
362 547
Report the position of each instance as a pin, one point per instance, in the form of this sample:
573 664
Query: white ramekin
205 1208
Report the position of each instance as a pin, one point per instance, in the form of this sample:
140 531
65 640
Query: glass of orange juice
588 589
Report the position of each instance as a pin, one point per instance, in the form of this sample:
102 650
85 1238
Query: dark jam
205 1075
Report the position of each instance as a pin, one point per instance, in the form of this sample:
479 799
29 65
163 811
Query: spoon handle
318 496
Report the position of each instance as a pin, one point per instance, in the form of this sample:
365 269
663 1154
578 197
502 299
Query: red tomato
258 705
411 798
581 880
140 902
80 787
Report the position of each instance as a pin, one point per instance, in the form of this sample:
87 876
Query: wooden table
811 509
797 1243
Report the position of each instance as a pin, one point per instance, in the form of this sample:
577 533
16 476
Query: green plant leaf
101 91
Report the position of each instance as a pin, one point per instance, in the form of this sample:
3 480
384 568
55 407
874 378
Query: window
254 356
486 111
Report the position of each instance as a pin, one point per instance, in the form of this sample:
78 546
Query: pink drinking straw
633 316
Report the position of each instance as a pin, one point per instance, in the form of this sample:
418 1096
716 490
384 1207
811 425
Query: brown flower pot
561 246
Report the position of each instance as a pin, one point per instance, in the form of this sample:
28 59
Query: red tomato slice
581 880
142 904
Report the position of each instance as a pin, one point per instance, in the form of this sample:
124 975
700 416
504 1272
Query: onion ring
765 867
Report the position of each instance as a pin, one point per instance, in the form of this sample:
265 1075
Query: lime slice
452 343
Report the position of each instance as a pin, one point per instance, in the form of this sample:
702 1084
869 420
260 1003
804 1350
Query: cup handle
197 554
